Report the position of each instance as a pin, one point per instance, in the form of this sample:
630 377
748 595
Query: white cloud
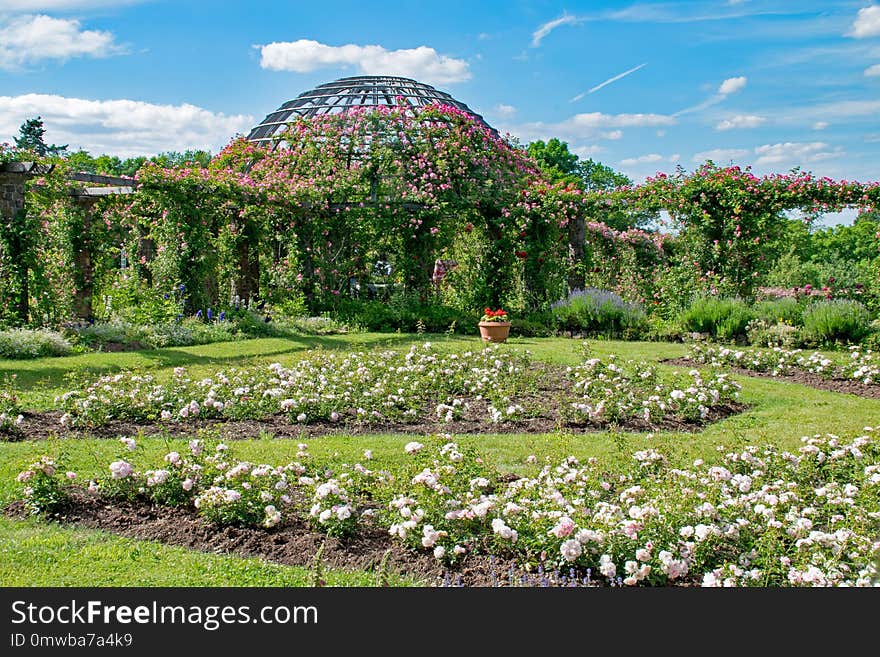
545 29
729 86
32 38
589 126
642 159
505 110
61 5
740 121
821 116
842 109
721 155
867 23
873 71
795 153
732 85
422 63
600 120
699 107
121 127
676 12
650 158
587 152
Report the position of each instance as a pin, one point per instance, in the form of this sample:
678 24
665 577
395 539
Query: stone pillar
84 263
11 194
12 187
246 279
576 238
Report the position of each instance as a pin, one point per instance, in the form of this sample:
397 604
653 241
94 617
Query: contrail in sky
607 82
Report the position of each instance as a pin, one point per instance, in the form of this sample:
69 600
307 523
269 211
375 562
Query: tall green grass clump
724 319
786 310
836 321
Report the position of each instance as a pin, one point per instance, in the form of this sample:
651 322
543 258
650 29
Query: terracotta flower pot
494 331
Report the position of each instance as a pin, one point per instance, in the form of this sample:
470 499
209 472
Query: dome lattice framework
346 94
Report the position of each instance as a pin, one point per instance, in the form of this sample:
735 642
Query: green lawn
38 554
33 553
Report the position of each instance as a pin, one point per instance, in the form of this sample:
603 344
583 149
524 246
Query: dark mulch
846 386
292 543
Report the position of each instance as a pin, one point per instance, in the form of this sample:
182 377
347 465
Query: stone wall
11 193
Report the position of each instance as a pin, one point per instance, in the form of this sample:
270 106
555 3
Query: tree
109 165
30 138
82 161
130 166
599 177
560 165
556 161
191 158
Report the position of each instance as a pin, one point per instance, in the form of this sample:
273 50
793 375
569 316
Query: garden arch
14 177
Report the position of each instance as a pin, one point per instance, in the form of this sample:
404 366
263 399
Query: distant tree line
31 138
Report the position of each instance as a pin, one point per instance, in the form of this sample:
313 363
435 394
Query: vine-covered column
17 233
246 237
83 259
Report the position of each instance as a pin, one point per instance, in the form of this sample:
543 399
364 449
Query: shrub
785 310
766 334
101 333
188 332
872 339
409 318
168 334
32 343
533 326
836 321
598 312
316 325
722 318
253 324
10 410
44 489
663 330
182 333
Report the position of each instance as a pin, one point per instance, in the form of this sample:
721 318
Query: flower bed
613 392
860 367
366 387
11 417
759 517
384 390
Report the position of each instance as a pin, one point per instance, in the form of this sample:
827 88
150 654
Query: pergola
347 94
13 183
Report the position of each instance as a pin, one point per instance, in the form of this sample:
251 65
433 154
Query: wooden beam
102 180
100 191
27 168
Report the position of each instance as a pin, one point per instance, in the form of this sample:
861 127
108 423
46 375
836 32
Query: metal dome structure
345 94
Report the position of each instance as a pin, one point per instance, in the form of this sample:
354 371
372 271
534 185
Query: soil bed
40 426
293 543
846 386
545 394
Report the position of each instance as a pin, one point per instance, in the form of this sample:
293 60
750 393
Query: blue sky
642 87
